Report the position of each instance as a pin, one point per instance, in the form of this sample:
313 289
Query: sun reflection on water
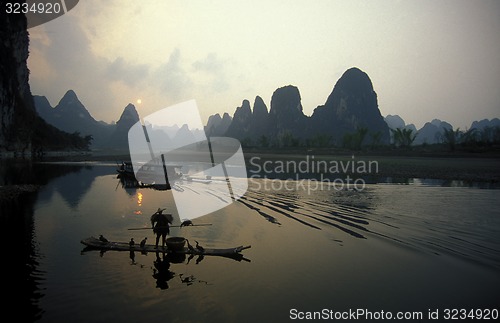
139 203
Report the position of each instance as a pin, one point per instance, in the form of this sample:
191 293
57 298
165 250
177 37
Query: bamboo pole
173 226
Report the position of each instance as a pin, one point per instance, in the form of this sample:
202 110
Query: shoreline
471 167
437 151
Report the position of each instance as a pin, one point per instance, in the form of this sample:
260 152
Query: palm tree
403 137
376 138
264 141
359 137
354 141
470 137
451 137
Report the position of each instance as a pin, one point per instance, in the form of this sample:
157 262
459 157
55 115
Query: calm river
420 247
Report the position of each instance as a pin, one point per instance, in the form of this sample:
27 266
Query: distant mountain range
351 106
70 115
350 111
432 132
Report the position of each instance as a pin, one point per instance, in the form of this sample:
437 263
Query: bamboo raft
93 243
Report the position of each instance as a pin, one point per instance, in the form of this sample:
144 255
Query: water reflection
73 185
23 265
162 266
69 182
17 225
131 184
161 270
310 225
15 172
162 273
345 213
190 280
437 182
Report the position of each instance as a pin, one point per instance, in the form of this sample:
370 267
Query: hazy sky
426 59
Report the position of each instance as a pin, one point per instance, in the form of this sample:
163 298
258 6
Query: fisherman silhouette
160 224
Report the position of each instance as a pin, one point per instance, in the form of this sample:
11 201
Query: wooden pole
174 226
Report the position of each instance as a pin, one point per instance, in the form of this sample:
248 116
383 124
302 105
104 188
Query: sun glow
139 101
139 203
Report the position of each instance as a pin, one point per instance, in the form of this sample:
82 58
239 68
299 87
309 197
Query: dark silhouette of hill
286 118
480 136
22 130
217 125
70 115
432 132
240 125
351 106
119 137
260 118
350 118
485 123
394 121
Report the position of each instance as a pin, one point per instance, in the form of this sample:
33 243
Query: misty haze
221 161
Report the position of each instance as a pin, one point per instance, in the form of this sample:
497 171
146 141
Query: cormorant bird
188 280
101 237
200 248
143 242
190 247
185 223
